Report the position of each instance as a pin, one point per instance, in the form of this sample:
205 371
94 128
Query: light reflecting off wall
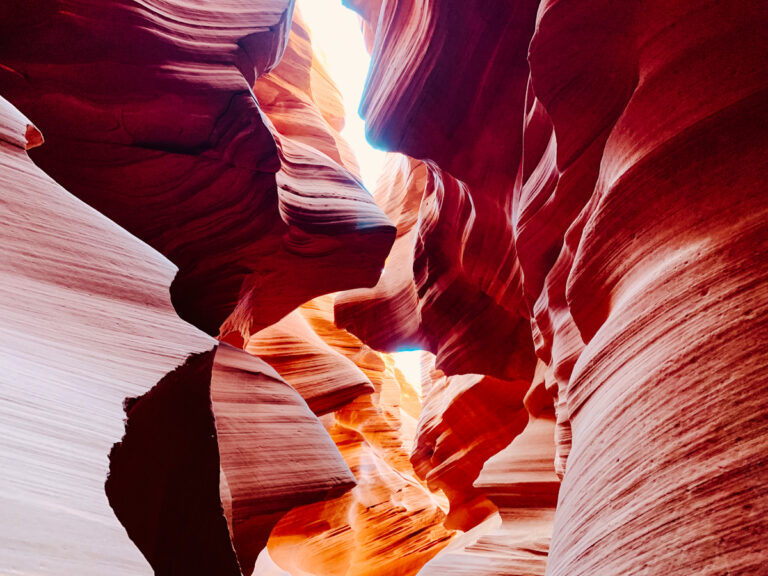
337 40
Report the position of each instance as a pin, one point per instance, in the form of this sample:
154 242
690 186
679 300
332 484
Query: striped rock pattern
390 523
172 145
210 459
623 144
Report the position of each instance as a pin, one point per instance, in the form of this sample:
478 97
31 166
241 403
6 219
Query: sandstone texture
202 307
390 523
630 174
216 445
150 117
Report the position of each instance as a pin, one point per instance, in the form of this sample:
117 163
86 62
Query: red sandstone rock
274 453
428 96
464 421
461 299
150 118
387 316
389 523
639 220
521 481
302 102
87 322
325 378
222 441
595 171
664 282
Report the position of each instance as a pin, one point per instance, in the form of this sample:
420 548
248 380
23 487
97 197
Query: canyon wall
150 117
88 328
161 132
624 145
572 224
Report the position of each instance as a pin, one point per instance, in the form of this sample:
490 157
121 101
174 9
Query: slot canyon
206 305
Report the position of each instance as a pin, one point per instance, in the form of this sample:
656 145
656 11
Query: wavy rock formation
242 441
580 238
302 102
427 96
625 151
87 321
521 481
450 286
325 378
668 313
464 421
211 457
256 226
387 315
389 523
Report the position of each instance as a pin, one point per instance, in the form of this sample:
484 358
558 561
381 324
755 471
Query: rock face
324 377
389 523
521 481
452 293
256 223
578 222
625 148
665 290
211 457
87 321
241 440
464 421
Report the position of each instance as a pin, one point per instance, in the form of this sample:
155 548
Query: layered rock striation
578 228
390 522
193 481
631 141
150 117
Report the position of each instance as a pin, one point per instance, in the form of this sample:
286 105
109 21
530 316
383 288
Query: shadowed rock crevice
163 481
213 456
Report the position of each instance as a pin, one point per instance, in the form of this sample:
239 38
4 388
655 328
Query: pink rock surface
275 454
86 321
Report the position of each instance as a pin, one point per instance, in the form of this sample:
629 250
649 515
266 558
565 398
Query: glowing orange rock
389 523
325 378
464 421
521 481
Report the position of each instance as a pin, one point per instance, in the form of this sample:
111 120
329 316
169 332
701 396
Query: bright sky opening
337 40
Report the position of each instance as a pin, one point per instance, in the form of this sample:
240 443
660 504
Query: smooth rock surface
150 117
87 327
630 174
86 322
